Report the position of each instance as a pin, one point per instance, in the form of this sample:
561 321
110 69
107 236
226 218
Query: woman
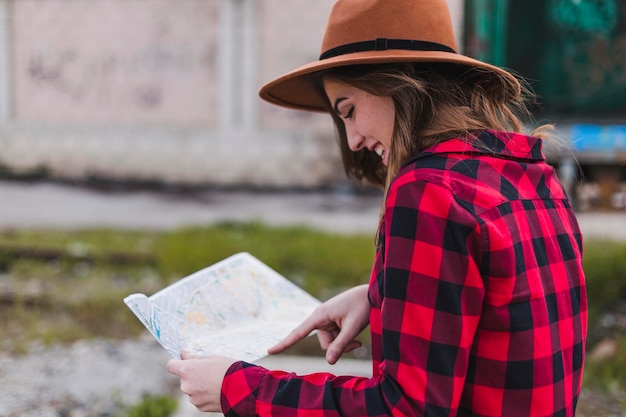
476 303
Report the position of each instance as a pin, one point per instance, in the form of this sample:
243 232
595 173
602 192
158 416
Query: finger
173 366
355 344
344 342
291 339
326 338
297 334
185 355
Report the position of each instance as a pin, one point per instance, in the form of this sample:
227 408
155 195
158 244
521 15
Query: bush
317 261
605 271
151 406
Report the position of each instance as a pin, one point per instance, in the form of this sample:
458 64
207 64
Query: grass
151 406
608 375
605 267
58 287
312 259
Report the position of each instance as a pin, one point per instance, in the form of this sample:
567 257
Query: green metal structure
573 52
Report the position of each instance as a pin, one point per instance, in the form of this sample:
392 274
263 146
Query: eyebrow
337 103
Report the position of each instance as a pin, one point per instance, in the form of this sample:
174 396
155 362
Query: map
238 307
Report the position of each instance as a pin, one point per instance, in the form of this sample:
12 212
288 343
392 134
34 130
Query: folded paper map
238 307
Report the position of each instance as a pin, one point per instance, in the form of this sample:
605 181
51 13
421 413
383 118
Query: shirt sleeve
249 390
431 300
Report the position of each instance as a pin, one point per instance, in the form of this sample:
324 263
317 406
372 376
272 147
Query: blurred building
161 91
166 90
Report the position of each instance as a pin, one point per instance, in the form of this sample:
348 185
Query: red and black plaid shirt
478 302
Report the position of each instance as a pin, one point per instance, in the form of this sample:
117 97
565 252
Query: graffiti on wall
115 62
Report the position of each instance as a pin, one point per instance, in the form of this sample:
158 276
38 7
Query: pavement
47 205
62 206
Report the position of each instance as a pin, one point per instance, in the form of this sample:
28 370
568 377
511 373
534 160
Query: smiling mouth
380 150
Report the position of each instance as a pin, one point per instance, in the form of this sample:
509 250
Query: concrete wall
162 90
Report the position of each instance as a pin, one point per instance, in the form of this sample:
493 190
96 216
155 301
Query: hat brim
295 89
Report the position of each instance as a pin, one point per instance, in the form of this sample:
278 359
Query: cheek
388 129
388 121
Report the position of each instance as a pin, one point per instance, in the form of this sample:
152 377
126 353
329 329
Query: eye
349 114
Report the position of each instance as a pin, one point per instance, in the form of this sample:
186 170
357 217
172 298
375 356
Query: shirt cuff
238 395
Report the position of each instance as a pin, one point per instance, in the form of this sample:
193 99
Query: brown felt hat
378 32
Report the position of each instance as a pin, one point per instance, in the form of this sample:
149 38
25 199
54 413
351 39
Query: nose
356 141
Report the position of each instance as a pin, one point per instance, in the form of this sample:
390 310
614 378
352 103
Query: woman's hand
338 321
201 379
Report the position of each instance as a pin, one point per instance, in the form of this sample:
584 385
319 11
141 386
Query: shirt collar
490 142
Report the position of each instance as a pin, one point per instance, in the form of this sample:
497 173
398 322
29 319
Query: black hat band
383 44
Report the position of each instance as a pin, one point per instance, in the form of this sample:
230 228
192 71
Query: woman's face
368 119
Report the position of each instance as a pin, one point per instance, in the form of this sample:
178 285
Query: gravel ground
88 378
94 378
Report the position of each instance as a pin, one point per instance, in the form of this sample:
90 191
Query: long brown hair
433 103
